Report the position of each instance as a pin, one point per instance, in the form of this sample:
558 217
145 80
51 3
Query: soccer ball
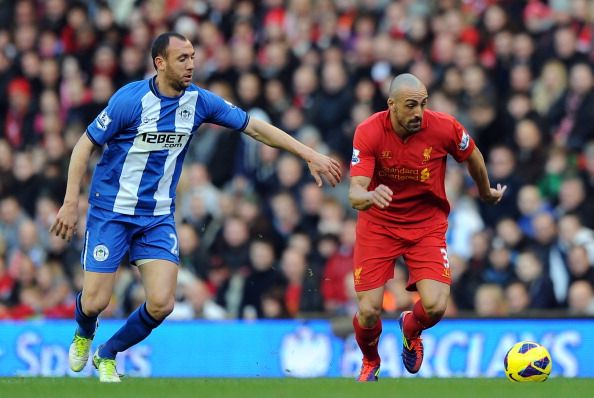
527 361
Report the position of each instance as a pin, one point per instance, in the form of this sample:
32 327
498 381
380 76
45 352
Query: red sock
368 338
419 321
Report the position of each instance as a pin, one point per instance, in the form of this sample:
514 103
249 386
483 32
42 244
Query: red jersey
414 169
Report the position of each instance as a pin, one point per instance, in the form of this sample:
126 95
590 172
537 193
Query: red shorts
377 247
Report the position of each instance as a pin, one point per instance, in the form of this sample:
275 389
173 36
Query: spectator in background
581 299
580 268
302 293
11 219
509 232
549 86
336 269
274 305
7 179
500 269
517 298
540 287
192 256
464 219
545 247
530 204
501 164
465 282
332 103
27 184
571 116
17 123
557 168
199 298
573 199
263 278
490 301
573 233
531 150
587 173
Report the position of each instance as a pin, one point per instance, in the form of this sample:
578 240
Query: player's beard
413 125
410 126
177 82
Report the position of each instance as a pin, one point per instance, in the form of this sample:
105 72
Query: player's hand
323 165
381 196
495 195
65 224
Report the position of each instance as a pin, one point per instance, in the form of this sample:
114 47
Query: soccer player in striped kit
146 128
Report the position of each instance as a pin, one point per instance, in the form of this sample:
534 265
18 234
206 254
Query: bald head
406 103
405 82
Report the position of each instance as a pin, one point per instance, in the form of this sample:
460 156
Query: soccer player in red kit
397 184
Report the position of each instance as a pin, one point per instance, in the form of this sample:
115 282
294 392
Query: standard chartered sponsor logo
403 173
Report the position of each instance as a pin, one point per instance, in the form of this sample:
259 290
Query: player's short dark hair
161 45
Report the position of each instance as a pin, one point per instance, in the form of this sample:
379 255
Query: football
527 361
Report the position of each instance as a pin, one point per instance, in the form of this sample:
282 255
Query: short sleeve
114 118
461 144
223 112
363 159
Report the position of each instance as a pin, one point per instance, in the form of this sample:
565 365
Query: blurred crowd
257 237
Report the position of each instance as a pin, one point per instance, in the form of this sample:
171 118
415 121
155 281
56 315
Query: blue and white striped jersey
147 136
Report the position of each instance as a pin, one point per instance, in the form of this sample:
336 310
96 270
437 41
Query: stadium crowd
257 237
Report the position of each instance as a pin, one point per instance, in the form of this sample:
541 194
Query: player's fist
381 196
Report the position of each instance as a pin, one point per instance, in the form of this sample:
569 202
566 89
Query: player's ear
390 102
160 62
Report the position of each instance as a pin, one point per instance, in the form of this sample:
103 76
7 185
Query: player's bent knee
94 307
435 308
435 312
369 314
94 304
160 309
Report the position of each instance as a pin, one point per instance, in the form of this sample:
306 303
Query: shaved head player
397 184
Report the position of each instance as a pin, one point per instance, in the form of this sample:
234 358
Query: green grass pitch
291 388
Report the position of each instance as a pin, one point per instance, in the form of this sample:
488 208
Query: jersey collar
155 89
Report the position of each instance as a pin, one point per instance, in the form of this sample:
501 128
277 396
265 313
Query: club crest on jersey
355 159
185 112
100 253
103 120
465 141
427 154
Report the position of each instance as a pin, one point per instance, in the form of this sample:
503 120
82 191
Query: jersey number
174 247
444 254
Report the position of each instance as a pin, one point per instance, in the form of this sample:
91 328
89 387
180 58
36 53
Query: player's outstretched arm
362 199
478 172
318 164
65 223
